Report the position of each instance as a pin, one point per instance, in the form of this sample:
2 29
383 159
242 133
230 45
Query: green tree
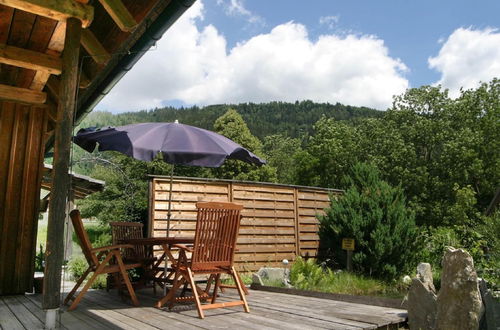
375 214
280 152
232 126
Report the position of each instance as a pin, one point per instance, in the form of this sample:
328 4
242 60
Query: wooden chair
100 262
121 230
215 237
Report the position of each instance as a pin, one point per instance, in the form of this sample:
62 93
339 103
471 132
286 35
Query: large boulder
459 304
422 306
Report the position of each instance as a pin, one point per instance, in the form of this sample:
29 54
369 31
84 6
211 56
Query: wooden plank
120 14
36 310
6 14
8 319
29 59
28 320
22 94
60 180
94 47
59 10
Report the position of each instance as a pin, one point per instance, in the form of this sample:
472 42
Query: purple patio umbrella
179 144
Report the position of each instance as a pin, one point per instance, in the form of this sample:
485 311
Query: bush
77 266
375 215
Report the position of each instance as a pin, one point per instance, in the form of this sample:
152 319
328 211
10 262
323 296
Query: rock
256 279
273 275
459 304
422 306
424 274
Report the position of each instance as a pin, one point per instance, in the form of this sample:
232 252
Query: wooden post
60 178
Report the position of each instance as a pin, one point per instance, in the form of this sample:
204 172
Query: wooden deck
102 310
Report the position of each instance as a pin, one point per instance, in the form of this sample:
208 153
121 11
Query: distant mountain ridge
263 119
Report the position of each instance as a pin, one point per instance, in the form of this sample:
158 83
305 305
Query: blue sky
354 52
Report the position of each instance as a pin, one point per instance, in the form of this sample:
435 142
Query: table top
158 240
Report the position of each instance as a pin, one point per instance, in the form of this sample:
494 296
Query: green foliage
99 235
307 275
375 215
125 195
280 152
232 126
77 267
40 260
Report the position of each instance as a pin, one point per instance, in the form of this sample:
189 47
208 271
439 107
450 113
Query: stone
424 274
256 279
422 300
459 304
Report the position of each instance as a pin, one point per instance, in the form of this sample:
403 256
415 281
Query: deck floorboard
268 310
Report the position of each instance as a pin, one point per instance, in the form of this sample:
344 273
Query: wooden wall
22 131
279 221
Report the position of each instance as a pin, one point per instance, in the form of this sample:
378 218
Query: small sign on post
348 245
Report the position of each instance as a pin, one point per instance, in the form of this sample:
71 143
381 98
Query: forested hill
291 119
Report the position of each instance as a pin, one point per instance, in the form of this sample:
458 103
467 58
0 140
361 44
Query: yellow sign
348 244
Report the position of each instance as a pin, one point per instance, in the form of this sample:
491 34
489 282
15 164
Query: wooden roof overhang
116 34
82 185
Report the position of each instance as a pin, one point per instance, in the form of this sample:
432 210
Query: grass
307 275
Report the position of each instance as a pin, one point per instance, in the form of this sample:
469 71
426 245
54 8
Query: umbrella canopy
179 144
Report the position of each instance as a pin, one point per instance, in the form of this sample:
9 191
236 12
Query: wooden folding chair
122 230
216 232
100 262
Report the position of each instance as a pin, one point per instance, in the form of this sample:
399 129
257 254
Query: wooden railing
278 221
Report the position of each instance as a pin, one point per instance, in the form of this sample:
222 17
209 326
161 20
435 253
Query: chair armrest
183 247
113 247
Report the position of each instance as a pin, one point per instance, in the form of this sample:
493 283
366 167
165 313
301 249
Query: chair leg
216 287
240 289
195 294
171 292
97 272
126 280
77 285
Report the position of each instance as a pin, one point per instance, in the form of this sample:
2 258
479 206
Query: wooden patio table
165 243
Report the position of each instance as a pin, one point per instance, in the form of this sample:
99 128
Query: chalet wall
279 221
22 130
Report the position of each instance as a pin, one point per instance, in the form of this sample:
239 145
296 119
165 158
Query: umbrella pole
169 214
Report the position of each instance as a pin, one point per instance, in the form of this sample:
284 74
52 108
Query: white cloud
467 58
194 66
237 8
329 21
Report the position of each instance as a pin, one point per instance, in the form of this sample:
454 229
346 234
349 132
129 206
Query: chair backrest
122 230
217 229
83 238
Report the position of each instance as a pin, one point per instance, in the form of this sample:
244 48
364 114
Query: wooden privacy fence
278 221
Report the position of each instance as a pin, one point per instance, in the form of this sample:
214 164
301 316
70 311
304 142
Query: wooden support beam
21 94
28 59
59 10
120 14
60 178
94 47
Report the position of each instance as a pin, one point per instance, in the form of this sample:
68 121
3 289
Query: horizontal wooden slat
29 59
56 9
21 94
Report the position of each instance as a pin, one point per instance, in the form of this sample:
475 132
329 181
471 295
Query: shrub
77 266
375 215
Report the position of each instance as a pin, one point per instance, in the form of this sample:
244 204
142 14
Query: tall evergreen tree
375 215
